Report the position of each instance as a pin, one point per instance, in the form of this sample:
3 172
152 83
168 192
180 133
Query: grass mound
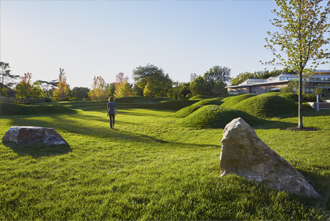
269 106
184 112
192 108
291 96
86 105
214 116
167 105
200 97
232 101
7 109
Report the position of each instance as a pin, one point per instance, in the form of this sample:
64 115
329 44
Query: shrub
309 98
287 90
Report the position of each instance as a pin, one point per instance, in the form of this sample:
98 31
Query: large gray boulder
245 154
28 134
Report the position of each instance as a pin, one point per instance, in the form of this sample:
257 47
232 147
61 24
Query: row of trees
25 90
150 81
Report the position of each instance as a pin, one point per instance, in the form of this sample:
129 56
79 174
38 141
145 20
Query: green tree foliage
79 93
36 91
24 87
219 88
159 83
218 73
302 24
111 87
179 90
99 89
7 80
62 91
147 91
122 86
197 86
287 89
3 92
213 82
26 90
48 87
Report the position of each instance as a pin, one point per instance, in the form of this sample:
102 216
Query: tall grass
150 168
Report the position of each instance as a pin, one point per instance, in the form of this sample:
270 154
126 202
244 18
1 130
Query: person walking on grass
111 111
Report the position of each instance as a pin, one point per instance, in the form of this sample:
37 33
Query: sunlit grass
149 168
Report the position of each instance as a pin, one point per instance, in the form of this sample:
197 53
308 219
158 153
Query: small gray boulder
245 154
28 134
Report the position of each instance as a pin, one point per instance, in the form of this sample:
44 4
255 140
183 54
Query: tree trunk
300 120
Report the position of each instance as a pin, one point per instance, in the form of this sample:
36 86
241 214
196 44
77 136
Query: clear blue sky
103 38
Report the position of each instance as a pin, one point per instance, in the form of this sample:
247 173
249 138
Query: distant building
320 79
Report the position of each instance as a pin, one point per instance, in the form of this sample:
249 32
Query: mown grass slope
233 100
269 106
131 102
200 97
150 168
190 109
7 109
214 116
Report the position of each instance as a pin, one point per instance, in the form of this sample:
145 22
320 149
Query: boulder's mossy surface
232 101
214 116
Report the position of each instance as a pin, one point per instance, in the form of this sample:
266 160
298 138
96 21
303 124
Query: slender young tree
99 88
62 90
303 25
24 87
122 87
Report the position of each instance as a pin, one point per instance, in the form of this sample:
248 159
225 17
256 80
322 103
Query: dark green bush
309 98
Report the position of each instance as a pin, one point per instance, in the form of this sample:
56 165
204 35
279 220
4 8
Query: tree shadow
321 184
102 132
275 125
37 150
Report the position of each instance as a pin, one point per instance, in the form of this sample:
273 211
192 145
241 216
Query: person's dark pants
112 120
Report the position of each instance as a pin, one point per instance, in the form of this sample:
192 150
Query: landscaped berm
161 162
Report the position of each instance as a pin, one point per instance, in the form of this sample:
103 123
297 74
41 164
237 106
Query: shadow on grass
37 150
275 125
99 132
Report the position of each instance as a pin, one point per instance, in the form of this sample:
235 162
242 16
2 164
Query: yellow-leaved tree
99 89
122 87
62 88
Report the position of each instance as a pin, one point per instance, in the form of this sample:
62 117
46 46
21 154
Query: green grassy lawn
149 167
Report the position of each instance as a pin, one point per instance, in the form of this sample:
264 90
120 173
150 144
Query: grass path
151 168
